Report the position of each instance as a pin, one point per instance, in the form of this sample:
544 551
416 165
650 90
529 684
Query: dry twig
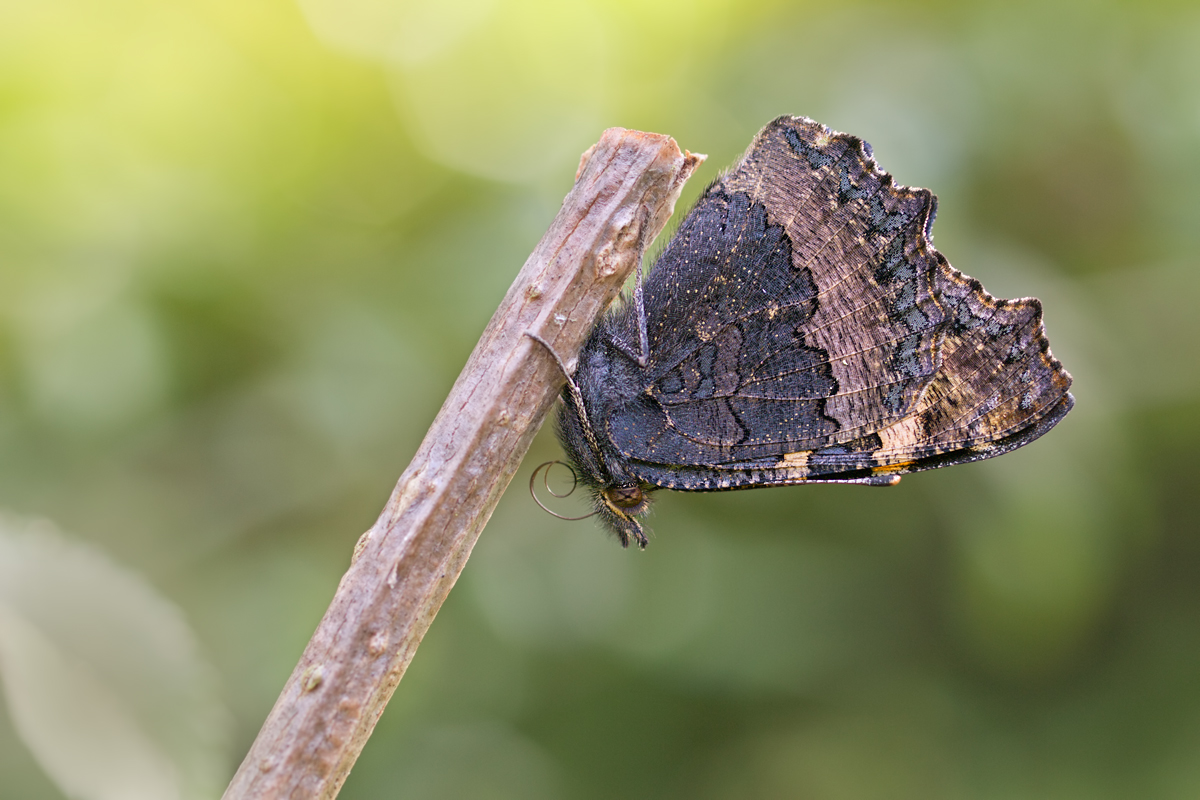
404 566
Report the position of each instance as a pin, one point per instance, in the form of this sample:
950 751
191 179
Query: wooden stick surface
404 566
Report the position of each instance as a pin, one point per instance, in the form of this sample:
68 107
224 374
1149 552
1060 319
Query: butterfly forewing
802 325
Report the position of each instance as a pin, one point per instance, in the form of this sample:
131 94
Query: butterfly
800 327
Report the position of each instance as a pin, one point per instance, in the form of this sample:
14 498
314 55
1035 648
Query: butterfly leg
642 357
573 391
639 300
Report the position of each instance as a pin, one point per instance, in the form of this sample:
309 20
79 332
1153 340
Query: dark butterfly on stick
801 328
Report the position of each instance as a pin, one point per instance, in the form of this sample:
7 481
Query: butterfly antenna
544 470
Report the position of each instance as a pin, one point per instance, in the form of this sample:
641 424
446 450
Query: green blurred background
245 248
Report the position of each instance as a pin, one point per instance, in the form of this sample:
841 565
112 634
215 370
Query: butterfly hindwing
715 383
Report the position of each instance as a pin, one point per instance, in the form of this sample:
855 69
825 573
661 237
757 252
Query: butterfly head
617 497
628 498
619 505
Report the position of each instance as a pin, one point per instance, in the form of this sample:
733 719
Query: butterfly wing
801 326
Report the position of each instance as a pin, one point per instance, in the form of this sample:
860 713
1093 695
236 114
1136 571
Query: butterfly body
800 327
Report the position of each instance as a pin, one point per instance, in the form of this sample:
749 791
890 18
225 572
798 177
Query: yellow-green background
246 246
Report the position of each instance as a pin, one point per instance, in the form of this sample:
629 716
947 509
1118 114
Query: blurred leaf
503 765
102 675
515 98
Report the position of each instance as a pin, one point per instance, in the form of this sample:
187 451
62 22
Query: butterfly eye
625 496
